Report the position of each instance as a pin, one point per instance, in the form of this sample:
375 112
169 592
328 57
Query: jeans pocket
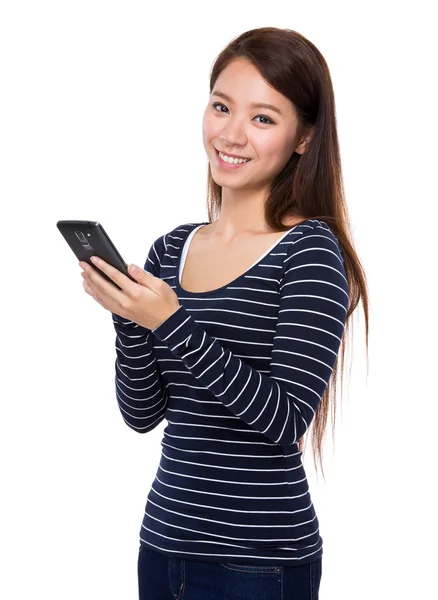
243 568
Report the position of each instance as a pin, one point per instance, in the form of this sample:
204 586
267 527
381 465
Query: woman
232 332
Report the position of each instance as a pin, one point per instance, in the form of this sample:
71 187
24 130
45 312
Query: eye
270 121
215 104
264 117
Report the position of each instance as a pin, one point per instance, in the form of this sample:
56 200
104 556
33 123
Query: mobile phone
89 238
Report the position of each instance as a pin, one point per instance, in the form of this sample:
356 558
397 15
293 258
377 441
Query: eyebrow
254 104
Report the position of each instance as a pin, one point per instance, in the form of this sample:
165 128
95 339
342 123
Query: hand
148 301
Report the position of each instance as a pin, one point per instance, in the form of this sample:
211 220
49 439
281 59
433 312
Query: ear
304 142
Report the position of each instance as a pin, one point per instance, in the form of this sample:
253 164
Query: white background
101 107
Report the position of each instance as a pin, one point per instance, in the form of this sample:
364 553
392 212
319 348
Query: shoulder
178 231
173 237
165 246
315 260
181 230
316 233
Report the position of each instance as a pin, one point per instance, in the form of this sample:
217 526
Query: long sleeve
141 394
312 312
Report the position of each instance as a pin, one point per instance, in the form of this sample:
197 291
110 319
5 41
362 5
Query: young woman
232 334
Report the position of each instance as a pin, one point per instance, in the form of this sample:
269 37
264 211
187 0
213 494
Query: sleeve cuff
176 329
121 320
125 325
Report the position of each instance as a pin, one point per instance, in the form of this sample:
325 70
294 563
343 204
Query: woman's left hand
148 301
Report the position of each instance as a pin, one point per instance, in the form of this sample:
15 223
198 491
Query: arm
311 320
140 391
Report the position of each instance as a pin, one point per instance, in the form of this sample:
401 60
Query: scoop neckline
216 291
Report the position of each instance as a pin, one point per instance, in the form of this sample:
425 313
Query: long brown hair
311 184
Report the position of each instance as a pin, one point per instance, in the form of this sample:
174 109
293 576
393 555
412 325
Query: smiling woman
236 337
267 140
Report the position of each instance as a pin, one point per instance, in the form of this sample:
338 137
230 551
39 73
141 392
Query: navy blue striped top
237 372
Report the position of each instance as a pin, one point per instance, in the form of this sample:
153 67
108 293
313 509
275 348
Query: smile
228 161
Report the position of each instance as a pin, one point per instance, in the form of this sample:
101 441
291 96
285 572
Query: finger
100 285
105 293
89 291
85 283
90 287
114 274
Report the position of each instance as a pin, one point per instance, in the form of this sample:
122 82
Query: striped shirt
237 372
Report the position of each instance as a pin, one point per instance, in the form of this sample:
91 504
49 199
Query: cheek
208 129
206 138
275 150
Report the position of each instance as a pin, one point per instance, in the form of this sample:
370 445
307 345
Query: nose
233 134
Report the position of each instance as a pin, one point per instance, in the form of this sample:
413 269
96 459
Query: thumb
139 274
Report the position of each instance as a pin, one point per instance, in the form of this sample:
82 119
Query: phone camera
83 240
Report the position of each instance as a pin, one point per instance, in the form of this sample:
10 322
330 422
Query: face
232 125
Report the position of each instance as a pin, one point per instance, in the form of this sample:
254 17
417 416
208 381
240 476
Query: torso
210 265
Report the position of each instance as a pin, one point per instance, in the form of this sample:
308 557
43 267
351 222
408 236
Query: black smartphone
89 238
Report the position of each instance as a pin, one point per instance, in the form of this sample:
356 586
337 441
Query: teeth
233 161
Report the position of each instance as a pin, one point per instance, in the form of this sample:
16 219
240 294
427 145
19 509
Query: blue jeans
162 577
